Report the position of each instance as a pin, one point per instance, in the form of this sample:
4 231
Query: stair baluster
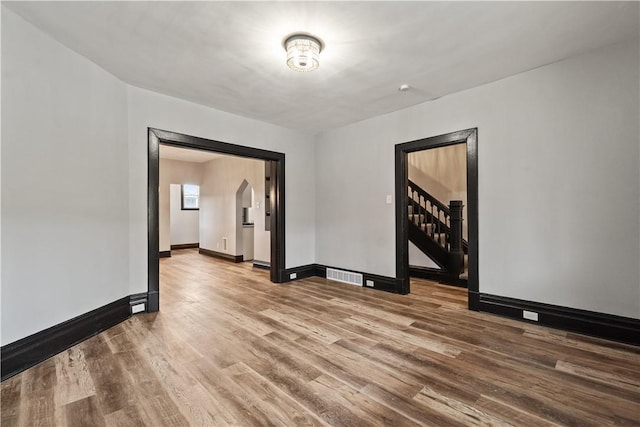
414 209
439 223
420 216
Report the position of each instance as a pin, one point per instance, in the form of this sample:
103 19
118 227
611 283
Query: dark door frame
470 137
276 197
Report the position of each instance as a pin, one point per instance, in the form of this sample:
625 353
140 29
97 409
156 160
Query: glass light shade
303 52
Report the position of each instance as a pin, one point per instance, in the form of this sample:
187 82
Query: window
190 197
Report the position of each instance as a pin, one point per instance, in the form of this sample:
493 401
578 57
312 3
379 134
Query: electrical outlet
370 283
293 276
530 315
137 308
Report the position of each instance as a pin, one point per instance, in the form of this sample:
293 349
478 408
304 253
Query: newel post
456 256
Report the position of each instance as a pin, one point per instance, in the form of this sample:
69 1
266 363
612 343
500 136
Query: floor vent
344 276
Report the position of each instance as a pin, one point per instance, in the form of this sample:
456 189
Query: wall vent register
344 276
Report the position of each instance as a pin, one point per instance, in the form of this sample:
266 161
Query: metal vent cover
344 276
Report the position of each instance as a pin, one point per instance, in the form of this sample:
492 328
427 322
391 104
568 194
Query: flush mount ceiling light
303 52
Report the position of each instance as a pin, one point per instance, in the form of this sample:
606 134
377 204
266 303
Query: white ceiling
228 55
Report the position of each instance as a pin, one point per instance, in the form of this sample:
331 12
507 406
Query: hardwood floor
230 348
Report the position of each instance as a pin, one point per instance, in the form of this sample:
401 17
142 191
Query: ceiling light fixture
303 52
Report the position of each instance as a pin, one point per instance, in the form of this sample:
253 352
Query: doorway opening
245 223
183 213
404 214
273 206
438 230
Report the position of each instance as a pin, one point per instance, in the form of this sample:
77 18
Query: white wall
173 172
221 216
184 224
65 248
441 171
558 170
418 259
149 109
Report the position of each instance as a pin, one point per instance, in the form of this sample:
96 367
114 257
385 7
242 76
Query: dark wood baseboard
186 246
141 298
262 264
474 300
302 272
153 301
29 351
436 275
608 326
222 255
164 254
382 283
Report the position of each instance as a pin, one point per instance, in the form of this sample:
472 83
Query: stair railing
445 220
429 210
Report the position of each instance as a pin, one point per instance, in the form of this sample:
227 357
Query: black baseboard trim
381 283
262 264
436 275
320 270
153 301
474 300
141 298
302 272
29 351
608 326
222 255
164 254
186 246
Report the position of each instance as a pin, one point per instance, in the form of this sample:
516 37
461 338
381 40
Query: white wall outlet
137 308
389 199
370 283
530 315
293 275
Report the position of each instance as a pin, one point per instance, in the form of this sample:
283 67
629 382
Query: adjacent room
215 204
320 213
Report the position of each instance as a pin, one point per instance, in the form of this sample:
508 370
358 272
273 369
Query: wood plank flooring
230 348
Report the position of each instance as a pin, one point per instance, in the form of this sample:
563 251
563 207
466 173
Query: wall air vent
344 276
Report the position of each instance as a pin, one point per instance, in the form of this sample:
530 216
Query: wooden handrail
441 206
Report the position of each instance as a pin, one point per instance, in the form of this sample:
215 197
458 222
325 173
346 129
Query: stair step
428 228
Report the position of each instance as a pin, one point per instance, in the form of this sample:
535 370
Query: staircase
436 229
